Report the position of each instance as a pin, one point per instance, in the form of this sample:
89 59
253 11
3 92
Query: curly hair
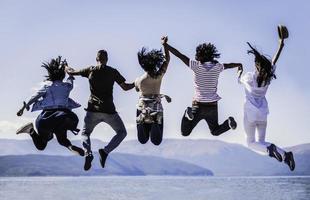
207 53
151 61
264 67
55 69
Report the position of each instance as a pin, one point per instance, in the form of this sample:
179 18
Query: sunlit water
155 188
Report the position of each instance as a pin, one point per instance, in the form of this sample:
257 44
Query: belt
204 103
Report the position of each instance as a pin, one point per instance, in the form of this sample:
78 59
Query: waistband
204 103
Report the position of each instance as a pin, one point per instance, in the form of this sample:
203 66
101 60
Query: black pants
56 122
153 131
208 112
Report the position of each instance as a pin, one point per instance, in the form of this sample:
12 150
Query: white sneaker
27 128
189 113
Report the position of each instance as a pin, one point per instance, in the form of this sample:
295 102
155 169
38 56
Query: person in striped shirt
206 71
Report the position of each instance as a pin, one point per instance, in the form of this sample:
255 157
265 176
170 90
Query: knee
122 133
143 140
156 141
186 129
41 147
214 133
64 142
185 132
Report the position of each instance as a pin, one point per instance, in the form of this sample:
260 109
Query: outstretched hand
69 70
21 111
164 40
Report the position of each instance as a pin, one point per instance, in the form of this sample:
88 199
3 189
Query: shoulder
111 69
247 77
218 64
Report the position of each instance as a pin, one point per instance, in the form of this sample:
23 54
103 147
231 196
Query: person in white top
206 71
256 106
150 118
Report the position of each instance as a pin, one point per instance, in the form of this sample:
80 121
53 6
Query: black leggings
209 113
40 140
153 131
56 122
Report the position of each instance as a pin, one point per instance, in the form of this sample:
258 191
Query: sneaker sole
25 129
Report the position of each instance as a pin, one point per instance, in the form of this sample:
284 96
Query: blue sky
35 31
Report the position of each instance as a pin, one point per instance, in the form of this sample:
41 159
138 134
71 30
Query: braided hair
151 61
55 69
264 67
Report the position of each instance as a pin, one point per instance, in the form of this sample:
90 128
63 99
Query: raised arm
165 64
276 56
178 54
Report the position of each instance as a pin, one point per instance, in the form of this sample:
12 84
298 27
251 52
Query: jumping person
206 73
150 119
100 105
256 84
56 117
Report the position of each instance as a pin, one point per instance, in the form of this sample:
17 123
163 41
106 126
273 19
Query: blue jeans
92 119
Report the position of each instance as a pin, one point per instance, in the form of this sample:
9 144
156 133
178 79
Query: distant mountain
223 159
117 164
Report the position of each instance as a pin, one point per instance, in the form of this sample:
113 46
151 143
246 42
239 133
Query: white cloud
8 128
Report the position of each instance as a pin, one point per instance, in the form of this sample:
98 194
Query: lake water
155 188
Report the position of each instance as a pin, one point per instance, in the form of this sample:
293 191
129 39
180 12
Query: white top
256 105
206 77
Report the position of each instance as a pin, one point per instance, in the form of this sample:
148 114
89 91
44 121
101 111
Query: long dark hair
55 69
264 67
151 61
207 52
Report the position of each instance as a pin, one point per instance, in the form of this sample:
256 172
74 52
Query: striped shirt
206 77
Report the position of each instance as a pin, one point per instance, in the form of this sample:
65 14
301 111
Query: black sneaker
272 150
27 128
77 150
88 159
103 157
189 113
232 123
289 160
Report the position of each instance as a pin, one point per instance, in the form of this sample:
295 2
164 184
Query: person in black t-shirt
100 105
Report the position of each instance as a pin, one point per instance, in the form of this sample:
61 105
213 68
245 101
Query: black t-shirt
101 81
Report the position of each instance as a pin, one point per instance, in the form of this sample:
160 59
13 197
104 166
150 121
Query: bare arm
40 93
72 72
234 65
276 56
165 64
178 54
127 86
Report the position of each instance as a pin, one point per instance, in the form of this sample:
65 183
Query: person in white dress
256 109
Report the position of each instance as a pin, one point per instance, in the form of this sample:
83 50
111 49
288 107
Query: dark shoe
232 123
77 150
103 157
189 113
272 150
88 159
75 131
27 128
289 160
